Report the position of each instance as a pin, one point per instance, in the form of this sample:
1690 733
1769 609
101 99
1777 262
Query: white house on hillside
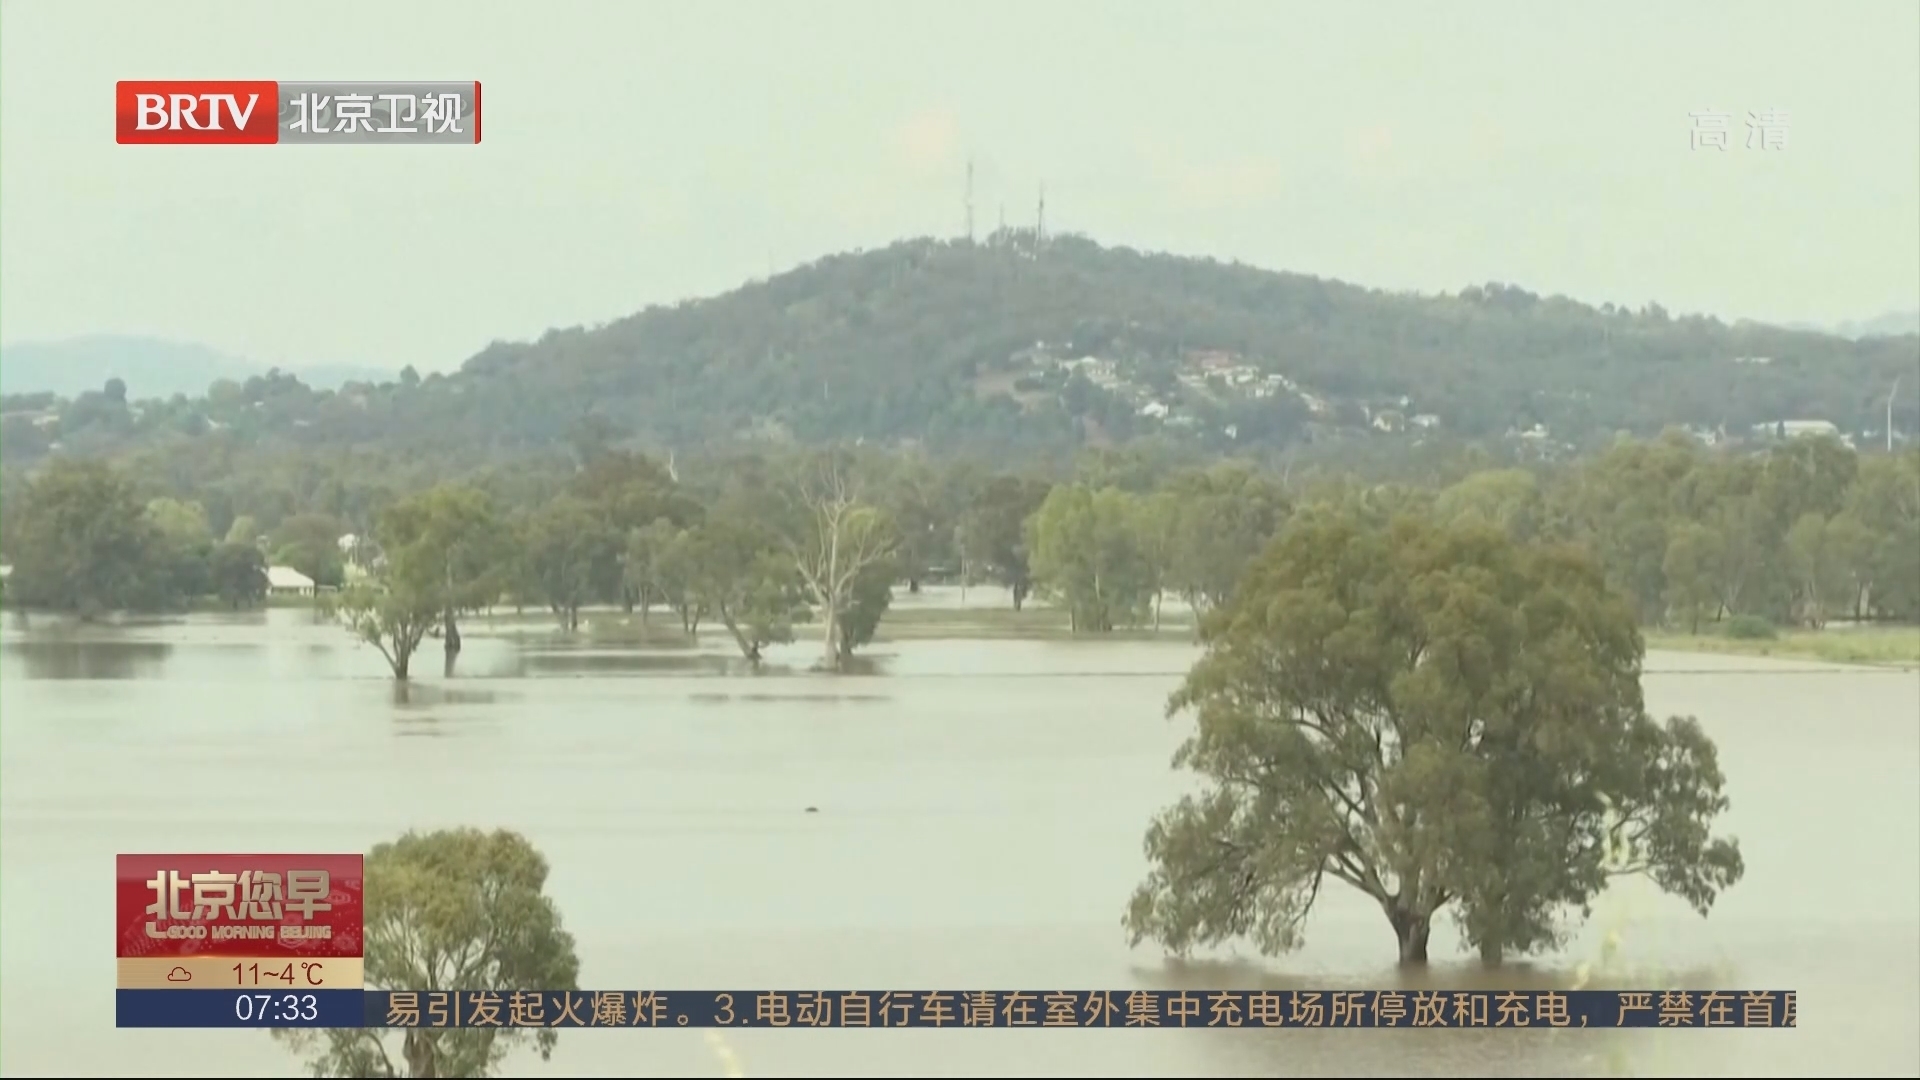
1796 429
286 581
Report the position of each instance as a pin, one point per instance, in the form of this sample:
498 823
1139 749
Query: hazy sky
647 151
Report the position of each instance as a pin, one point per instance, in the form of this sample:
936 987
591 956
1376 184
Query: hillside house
1101 373
1801 429
286 581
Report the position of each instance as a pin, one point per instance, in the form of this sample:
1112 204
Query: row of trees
88 544
1807 532
757 553
1802 532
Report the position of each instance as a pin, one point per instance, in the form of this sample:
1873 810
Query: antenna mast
1040 222
969 200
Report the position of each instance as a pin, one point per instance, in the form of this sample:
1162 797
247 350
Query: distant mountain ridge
1891 324
1026 347
151 367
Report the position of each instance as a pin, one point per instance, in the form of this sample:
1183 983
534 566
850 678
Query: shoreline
1895 647
1884 647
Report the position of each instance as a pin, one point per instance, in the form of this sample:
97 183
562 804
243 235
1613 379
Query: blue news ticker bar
239 1008
1545 1009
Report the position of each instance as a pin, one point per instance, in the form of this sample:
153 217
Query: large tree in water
1439 717
458 909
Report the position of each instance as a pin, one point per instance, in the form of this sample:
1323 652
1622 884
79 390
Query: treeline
85 542
1802 533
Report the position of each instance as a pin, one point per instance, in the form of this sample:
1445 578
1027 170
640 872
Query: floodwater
981 805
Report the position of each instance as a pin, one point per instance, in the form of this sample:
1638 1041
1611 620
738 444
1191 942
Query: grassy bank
1031 622
662 628
1877 645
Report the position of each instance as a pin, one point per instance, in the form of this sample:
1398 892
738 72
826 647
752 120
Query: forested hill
1018 346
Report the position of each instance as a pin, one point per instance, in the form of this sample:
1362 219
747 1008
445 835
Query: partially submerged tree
1088 557
835 538
458 909
1226 516
445 553
867 603
572 556
740 575
84 544
992 531
447 544
390 617
645 569
1436 716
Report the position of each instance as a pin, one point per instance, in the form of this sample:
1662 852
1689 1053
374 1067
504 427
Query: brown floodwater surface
980 809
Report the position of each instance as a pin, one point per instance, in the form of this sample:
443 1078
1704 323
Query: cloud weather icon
179 974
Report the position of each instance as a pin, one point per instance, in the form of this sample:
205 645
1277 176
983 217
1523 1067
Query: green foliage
458 909
1796 533
1222 518
867 603
571 555
740 574
1694 555
446 544
834 538
1801 532
238 575
1089 556
182 524
85 545
1749 628
1438 716
244 530
392 618
992 532
310 543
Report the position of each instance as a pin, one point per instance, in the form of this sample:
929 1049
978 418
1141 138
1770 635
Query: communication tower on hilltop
969 200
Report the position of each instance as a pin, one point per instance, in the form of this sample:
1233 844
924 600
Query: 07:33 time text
272 1008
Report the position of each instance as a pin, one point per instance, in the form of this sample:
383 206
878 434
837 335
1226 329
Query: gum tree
458 909
1439 717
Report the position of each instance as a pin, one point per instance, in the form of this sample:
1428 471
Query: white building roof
286 577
